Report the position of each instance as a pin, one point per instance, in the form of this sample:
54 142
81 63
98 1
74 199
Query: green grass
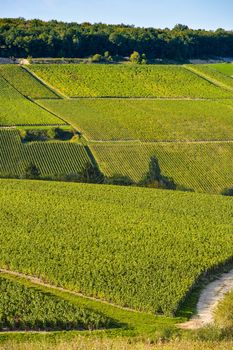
137 247
16 109
25 307
116 344
223 311
204 167
121 322
224 68
25 83
52 158
127 81
155 120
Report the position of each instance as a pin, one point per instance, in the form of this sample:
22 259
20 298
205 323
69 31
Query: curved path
208 300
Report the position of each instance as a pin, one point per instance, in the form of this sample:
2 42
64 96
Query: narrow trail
209 298
40 282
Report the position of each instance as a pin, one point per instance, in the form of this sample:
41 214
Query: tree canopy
36 38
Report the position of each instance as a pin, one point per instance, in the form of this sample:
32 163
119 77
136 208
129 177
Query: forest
37 38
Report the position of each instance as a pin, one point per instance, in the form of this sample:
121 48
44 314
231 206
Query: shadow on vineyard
188 305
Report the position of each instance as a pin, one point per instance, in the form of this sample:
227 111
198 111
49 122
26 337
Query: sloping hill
137 247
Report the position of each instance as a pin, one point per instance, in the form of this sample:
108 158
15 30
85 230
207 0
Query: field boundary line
49 111
35 102
209 79
74 98
40 282
49 86
139 142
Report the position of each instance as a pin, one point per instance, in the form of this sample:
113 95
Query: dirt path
209 298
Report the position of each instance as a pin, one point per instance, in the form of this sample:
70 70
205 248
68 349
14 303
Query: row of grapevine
23 307
50 157
15 109
202 167
25 83
155 120
208 72
137 247
127 81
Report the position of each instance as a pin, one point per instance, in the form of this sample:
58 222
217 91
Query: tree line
37 38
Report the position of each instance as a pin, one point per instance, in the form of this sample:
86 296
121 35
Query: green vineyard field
127 81
202 167
155 120
52 158
28 308
137 247
213 75
224 68
25 83
15 109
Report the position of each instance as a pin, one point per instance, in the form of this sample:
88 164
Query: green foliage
136 247
52 158
203 167
223 313
208 72
154 177
96 58
120 180
25 308
30 135
228 192
90 173
15 109
127 81
224 68
135 57
31 171
150 120
38 38
25 83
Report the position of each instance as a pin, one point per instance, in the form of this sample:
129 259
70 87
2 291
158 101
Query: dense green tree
31 171
135 57
228 192
155 179
23 38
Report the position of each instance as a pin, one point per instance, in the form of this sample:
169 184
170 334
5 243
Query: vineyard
52 158
155 120
24 307
25 83
16 109
213 75
205 167
224 68
127 81
136 247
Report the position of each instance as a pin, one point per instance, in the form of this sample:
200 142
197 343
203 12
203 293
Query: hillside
127 81
136 247
191 136
146 120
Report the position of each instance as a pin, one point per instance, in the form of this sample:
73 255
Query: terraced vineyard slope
15 109
136 247
202 167
25 83
154 120
52 158
127 81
